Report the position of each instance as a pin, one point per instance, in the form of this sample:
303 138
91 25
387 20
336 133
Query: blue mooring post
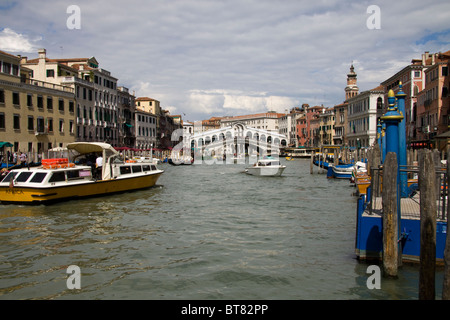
383 141
379 128
402 161
392 118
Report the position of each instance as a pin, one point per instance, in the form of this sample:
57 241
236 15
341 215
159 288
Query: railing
373 201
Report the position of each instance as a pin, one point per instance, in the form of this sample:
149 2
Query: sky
207 58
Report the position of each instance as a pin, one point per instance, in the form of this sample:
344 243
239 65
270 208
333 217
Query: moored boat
59 179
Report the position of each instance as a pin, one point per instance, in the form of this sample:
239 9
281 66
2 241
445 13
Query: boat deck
410 208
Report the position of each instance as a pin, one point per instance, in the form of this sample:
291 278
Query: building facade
433 102
35 116
364 110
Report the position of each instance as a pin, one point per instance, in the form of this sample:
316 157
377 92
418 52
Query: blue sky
204 58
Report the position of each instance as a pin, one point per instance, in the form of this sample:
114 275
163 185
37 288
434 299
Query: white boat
266 167
147 160
58 179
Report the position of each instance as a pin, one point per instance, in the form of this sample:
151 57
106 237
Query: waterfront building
433 104
308 126
364 109
126 118
165 123
212 123
146 131
96 93
412 78
287 125
340 124
326 126
35 115
266 121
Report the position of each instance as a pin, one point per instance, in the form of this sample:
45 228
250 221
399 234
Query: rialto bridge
235 140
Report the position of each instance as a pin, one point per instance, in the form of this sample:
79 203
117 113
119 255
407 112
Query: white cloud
261 54
12 41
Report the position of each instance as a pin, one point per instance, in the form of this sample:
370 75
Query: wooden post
311 163
390 217
446 286
437 165
427 185
376 161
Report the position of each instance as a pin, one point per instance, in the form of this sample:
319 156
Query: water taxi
58 179
299 152
266 167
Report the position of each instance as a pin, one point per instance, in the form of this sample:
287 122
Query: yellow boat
57 179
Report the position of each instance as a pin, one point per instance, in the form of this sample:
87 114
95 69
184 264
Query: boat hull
266 171
30 195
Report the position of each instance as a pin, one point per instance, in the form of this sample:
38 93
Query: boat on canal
266 167
58 179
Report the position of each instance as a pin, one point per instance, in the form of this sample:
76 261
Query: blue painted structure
369 237
402 160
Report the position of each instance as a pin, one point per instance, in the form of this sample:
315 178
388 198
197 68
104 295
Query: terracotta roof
256 115
8 54
379 88
145 99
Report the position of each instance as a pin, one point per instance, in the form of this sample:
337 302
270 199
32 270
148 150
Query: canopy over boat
90 147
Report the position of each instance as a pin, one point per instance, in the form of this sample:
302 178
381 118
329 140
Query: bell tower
351 89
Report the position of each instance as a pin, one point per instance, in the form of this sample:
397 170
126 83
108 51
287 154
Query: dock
369 240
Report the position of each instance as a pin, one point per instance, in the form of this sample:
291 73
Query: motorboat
266 167
181 161
345 171
60 179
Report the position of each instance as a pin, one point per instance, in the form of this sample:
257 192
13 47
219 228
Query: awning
5 144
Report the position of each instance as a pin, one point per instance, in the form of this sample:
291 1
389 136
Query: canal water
204 232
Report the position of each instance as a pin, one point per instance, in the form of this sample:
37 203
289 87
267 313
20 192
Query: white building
145 129
364 110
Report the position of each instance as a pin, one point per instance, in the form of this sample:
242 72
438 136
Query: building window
50 124
16 98
71 126
40 102
40 124
2 120
2 96
30 123
61 125
49 103
61 105
29 100
50 73
16 122
71 106
6 68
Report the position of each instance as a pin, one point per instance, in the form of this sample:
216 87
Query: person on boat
99 164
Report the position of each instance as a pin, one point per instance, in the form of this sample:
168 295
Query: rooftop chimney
42 53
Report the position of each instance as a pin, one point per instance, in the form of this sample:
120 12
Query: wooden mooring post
390 216
428 211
